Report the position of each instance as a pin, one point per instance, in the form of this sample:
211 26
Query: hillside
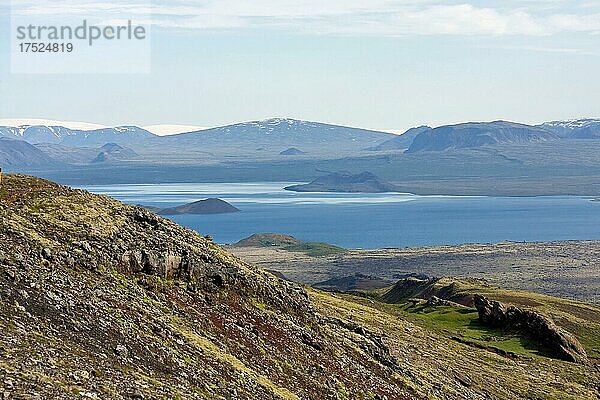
103 300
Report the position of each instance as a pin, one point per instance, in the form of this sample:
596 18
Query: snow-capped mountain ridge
588 128
36 134
573 123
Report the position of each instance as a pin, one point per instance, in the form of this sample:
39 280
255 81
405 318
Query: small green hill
289 243
267 240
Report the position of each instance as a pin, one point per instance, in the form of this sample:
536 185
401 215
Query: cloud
347 17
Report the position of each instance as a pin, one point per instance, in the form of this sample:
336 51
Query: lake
371 220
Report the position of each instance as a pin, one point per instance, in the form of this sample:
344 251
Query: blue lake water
371 220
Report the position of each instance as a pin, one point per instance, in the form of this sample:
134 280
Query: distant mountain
283 133
473 135
208 206
292 152
68 154
365 182
71 137
113 152
37 133
575 129
401 142
19 153
122 135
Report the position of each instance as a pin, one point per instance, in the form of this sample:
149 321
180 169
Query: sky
379 64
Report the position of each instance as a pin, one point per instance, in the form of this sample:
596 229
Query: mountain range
423 160
289 133
73 137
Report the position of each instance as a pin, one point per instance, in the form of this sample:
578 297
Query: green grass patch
315 249
464 324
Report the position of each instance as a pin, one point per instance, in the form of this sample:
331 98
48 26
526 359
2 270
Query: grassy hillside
439 350
579 318
103 300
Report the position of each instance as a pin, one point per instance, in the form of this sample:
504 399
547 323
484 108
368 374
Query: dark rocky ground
564 269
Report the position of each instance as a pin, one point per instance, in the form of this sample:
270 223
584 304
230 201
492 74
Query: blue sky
381 64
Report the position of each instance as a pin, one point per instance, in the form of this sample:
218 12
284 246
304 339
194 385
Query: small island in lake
365 182
208 206
292 152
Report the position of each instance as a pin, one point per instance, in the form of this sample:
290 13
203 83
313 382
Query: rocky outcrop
435 301
371 343
564 345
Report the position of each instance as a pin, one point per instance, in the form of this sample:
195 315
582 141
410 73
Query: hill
208 206
99 299
267 240
473 135
364 182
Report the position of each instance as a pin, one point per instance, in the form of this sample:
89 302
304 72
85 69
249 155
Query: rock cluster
435 301
368 341
564 345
